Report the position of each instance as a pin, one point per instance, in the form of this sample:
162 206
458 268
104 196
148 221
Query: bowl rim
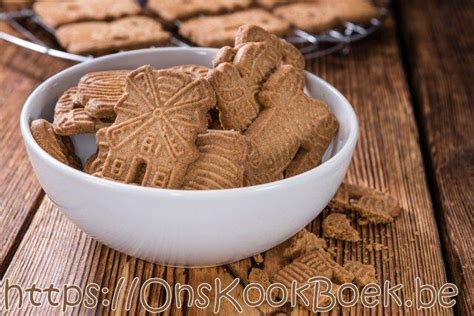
85 177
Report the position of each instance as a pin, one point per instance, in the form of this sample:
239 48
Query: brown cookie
70 118
56 13
249 33
269 4
310 17
89 162
377 208
172 10
363 273
220 164
321 260
341 202
240 72
197 71
372 205
338 226
98 38
217 31
315 17
236 90
259 276
100 91
302 243
291 134
95 163
355 11
59 147
152 141
300 273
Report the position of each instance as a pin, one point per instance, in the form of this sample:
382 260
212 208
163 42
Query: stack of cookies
101 27
246 121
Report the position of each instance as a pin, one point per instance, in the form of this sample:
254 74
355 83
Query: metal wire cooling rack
28 24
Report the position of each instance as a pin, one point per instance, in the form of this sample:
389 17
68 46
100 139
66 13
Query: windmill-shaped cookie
291 134
152 141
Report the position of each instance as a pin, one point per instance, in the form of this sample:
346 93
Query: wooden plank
388 157
65 255
19 189
438 39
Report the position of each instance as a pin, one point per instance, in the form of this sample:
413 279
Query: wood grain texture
388 157
438 39
19 189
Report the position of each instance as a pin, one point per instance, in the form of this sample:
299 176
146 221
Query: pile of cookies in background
246 121
100 27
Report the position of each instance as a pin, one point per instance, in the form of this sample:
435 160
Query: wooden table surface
411 86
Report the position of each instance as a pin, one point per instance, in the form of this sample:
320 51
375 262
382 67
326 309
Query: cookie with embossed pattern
218 31
59 147
98 38
363 273
316 17
95 163
290 55
302 243
56 13
299 273
152 141
337 225
291 134
220 164
321 260
241 70
100 91
172 10
372 205
197 71
70 117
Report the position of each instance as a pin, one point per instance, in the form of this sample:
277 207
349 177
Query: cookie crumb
258 259
363 273
374 247
338 226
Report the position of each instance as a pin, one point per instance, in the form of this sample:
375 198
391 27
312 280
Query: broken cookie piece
259 276
321 260
372 205
315 264
337 225
59 147
377 208
363 273
302 243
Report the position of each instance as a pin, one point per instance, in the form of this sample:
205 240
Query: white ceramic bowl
184 228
